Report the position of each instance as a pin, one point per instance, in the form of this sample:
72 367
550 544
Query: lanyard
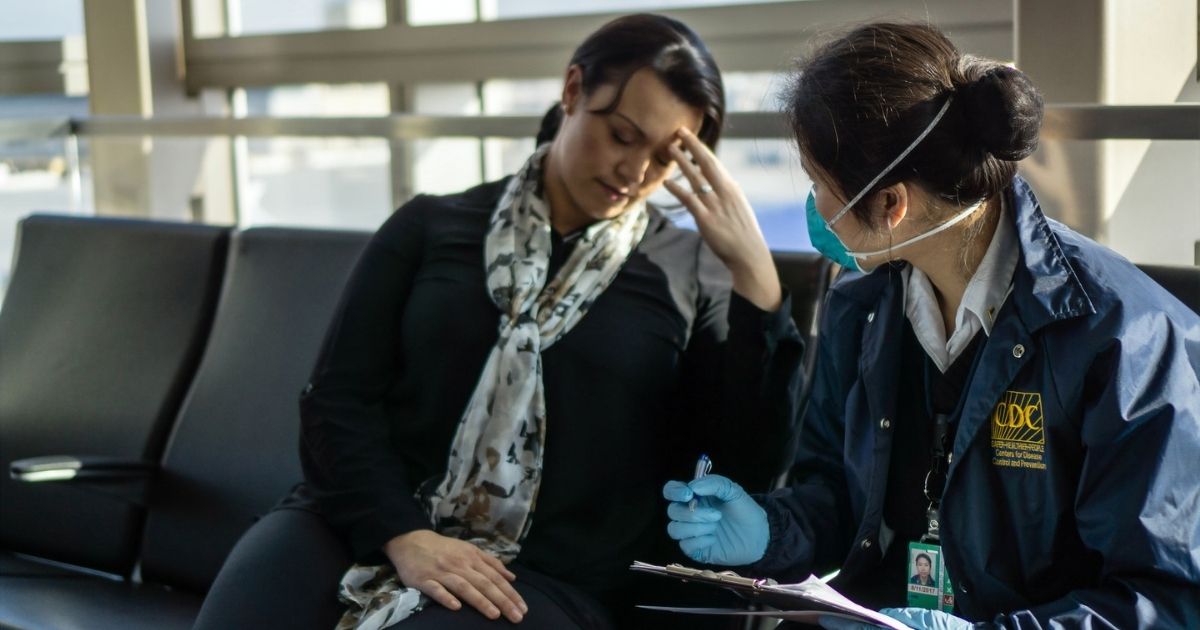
935 480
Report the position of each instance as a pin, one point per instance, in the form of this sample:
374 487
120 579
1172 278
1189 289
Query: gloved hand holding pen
727 527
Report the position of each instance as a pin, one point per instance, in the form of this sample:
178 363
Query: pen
703 467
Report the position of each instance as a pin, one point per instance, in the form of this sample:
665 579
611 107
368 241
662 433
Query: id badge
928 584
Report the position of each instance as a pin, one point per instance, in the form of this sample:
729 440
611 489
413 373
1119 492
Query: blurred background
331 113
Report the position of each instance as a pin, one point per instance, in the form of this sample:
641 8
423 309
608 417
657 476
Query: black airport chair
233 450
807 275
101 330
1181 282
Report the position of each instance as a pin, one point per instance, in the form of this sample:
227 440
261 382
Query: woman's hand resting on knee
451 571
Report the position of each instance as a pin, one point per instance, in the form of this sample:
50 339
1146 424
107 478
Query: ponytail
550 124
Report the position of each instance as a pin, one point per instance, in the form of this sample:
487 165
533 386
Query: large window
444 165
44 19
39 174
509 9
336 182
425 12
767 169
533 97
255 17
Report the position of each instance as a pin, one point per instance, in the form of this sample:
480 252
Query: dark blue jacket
1073 495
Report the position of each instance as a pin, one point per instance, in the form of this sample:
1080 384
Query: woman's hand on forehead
725 220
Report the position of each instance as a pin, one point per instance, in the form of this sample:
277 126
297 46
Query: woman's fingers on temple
708 164
689 169
685 196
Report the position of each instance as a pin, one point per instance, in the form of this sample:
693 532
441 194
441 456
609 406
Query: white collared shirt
981 302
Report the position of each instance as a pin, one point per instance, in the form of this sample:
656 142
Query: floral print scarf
489 491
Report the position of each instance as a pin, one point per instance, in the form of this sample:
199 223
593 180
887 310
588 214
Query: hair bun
1004 110
550 124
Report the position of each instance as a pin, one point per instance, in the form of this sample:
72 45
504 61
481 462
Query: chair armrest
85 468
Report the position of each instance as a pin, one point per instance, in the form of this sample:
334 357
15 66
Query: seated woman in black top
514 371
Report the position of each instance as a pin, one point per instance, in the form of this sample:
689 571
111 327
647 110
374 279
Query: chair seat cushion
83 602
16 565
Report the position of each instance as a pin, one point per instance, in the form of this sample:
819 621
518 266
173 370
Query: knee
284 570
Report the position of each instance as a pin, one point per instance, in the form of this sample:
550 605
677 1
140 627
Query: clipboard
804 601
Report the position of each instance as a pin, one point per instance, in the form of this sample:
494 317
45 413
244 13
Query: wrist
759 284
397 544
763 533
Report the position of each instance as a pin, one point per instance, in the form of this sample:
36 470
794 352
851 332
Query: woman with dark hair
989 382
514 371
924 575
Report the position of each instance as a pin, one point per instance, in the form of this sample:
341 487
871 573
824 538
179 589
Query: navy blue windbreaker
1073 495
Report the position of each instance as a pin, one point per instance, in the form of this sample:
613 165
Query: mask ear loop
966 212
903 154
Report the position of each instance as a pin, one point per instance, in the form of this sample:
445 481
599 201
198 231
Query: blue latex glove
918 618
727 528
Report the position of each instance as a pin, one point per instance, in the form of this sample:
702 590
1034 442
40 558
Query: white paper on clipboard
804 595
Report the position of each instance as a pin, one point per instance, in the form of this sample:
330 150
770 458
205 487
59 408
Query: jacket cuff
368 536
753 323
787 554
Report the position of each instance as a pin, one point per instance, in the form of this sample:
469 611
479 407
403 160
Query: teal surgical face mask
824 238
826 241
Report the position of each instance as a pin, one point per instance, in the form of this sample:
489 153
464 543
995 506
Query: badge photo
924 571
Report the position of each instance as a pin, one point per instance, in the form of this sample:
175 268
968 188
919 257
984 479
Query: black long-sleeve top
668 363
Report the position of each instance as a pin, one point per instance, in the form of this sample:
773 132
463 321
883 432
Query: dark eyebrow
630 121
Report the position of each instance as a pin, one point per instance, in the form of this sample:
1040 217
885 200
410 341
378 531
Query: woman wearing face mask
991 384
514 371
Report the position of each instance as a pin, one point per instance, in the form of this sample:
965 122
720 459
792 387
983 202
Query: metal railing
754 37
1063 122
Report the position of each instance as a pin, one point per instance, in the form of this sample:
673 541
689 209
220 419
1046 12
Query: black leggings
284 573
